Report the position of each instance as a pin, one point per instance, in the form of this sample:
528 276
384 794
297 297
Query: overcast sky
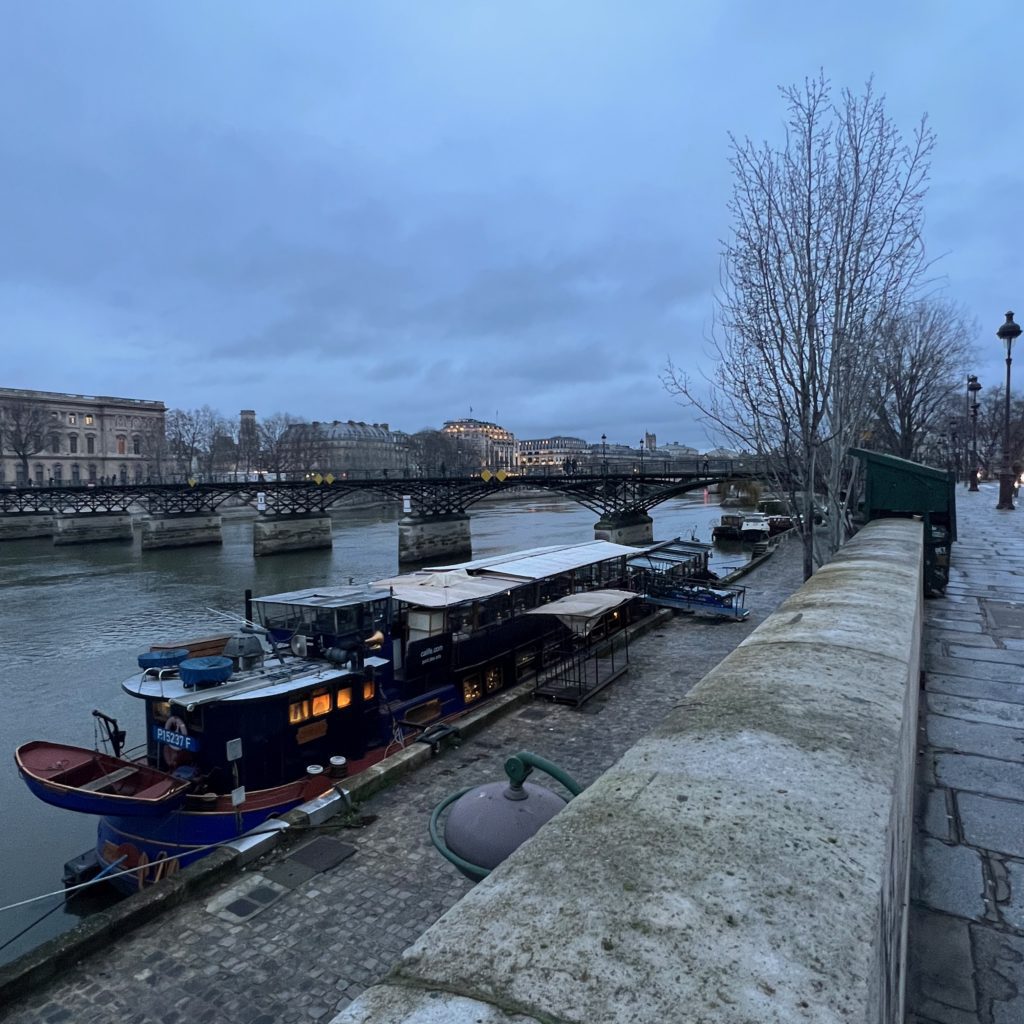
403 211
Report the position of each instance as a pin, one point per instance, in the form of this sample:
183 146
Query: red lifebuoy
174 756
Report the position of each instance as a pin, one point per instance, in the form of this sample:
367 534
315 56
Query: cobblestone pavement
306 956
967 913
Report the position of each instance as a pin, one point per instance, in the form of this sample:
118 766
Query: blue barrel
208 671
163 659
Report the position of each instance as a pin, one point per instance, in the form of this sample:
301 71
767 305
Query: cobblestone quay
329 935
967 912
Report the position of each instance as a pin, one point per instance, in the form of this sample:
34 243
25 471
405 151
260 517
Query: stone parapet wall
748 861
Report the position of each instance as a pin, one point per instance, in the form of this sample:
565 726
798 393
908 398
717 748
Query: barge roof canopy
323 597
481 578
536 563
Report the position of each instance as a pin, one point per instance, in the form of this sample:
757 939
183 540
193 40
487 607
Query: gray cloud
393 212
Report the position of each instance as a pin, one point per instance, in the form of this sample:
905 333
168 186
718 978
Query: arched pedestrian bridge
293 515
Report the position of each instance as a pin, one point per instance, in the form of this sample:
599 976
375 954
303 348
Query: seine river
73 620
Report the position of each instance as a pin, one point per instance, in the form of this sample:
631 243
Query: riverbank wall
748 860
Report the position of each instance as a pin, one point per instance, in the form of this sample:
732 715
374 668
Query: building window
88 419
92 473
90 444
138 474
73 443
122 474
122 444
55 444
39 475
72 418
136 446
76 474
58 474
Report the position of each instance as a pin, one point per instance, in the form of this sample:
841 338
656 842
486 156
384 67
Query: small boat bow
92 782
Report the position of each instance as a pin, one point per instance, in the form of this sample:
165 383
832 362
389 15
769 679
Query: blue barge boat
242 727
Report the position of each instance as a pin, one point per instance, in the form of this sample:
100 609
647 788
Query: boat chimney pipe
248 605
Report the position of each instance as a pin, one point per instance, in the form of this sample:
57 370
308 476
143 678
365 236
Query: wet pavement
967 912
286 941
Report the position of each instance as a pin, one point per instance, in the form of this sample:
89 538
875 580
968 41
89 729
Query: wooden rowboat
89 781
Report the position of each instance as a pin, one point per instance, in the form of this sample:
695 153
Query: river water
74 619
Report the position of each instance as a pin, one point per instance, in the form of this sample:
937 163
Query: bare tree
925 350
825 247
190 435
24 429
305 448
991 424
434 452
155 446
276 449
221 456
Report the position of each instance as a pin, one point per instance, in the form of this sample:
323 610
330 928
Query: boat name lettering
175 739
429 654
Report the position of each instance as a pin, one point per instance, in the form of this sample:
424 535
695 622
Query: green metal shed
898 488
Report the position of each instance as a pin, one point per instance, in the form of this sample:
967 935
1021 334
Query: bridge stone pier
441 537
272 535
25 526
625 528
747 861
93 527
181 531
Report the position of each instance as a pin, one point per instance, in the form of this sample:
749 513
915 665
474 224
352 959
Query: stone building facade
481 445
347 448
553 455
49 438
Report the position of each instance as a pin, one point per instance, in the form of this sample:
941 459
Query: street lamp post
641 456
604 454
973 387
1008 333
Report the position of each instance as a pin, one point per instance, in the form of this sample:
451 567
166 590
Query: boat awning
537 563
323 597
580 612
442 589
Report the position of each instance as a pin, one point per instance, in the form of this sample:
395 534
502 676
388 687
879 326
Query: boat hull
152 849
91 782
156 848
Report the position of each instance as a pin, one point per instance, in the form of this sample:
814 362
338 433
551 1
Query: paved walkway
967 915
329 935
